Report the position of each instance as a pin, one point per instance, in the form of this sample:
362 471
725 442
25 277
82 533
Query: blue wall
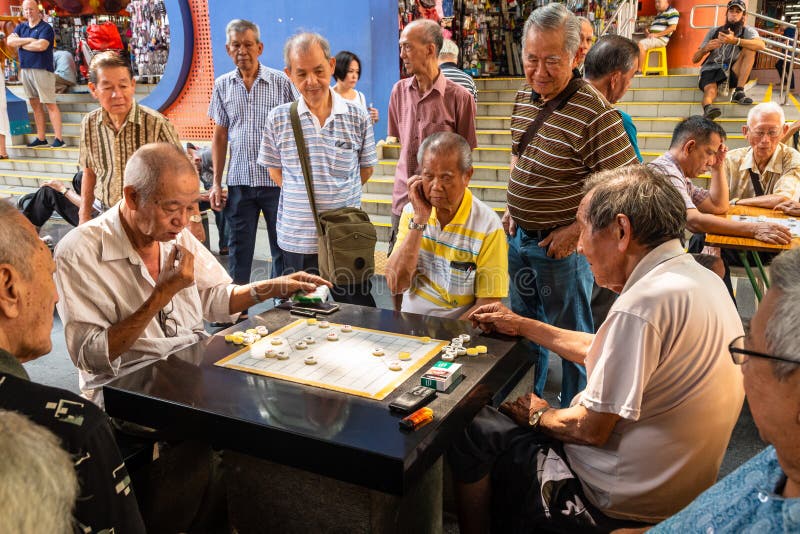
367 27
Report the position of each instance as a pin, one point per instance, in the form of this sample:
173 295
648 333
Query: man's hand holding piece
495 317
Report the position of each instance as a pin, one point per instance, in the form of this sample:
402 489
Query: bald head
426 31
154 162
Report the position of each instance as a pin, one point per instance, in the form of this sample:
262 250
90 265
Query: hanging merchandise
150 37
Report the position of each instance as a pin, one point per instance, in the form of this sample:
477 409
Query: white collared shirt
102 280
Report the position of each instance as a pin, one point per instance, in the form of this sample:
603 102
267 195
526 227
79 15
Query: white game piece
461 351
449 357
249 339
465 338
310 360
323 324
404 356
270 353
282 355
762 218
395 365
333 336
262 330
310 340
251 331
456 341
452 353
301 345
276 341
377 351
347 328
257 351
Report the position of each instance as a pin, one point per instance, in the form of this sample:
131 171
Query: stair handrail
772 40
624 17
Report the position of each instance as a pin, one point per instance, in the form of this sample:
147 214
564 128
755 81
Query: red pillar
686 40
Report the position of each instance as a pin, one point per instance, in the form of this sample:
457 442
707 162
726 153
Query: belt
538 234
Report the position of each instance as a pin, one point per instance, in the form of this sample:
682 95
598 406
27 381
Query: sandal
3 156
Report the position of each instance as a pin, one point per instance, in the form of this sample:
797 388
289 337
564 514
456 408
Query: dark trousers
359 294
245 204
220 219
39 207
779 68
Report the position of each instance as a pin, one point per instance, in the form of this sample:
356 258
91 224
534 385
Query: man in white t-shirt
648 433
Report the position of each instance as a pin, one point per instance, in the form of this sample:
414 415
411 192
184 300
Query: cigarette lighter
418 419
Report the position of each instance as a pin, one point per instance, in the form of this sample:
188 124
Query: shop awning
74 8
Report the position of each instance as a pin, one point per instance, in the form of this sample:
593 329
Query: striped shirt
586 135
337 149
244 113
665 19
106 151
464 261
453 73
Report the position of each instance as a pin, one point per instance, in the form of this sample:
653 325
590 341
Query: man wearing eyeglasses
767 172
136 285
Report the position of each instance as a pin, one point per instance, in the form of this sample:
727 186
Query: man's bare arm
366 174
86 206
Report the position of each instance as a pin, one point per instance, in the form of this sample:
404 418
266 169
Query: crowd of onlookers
590 256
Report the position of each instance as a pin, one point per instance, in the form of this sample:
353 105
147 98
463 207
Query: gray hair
765 108
647 197
153 161
446 142
38 483
610 54
239 26
303 42
555 17
431 33
18 241
449 49
781 330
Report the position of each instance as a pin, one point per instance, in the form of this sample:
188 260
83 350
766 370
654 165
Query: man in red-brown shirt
424 103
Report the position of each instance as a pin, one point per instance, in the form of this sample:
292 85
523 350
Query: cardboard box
441 376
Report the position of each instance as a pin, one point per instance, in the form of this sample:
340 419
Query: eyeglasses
167 323
772 134
739 354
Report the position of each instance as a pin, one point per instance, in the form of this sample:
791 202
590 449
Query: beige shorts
39 83
652 42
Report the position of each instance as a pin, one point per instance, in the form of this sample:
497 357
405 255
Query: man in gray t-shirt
731 51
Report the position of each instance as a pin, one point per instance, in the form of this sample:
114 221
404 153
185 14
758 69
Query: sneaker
711 112
58 143
37 142
740 97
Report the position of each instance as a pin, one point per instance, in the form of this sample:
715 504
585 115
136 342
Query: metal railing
777 45
622 21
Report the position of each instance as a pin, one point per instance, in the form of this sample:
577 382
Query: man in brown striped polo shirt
549 280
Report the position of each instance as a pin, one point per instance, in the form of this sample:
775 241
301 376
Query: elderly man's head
551 40
111 82
587 36
445 164
771 361
310 66
420 44
160 190
243 44
449 52
27 291
611 64
626 213
695 143
766 126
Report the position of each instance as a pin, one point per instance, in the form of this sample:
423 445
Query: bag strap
549 108
754 179
305 162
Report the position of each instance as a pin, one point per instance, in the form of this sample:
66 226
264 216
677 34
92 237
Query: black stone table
348 438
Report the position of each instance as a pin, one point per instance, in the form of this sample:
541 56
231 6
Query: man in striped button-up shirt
549 280
241 101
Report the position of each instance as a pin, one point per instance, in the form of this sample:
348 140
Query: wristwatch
254 294
414 226
536 417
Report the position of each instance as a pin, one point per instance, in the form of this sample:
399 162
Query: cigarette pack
441 376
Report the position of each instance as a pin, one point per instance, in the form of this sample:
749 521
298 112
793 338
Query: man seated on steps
451 251
731 50
53 196
698 146
664 25
767 172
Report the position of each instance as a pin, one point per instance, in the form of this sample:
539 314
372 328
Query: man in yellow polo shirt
451 254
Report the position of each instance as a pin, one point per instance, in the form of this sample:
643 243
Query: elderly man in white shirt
135 284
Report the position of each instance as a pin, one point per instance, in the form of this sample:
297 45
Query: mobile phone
321 308
409 401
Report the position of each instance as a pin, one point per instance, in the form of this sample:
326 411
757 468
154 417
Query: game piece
323 324
465 338
310 360
461 351
283 355
251 331
377 351
229 338
762 218
405 356
347 328
301 345
270 353
276 341
333 336
482 349
262 330
449 357
311 322
425 339
238 333
456 341
395 365
237 340
310 340
472 351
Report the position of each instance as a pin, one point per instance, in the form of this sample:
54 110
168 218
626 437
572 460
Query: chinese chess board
791 223
348 364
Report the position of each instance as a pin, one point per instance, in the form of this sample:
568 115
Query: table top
748 243
353 439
